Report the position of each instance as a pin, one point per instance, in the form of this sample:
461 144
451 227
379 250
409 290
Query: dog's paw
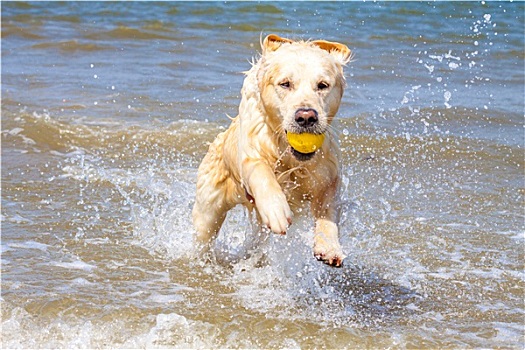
275 212
328 251
335 260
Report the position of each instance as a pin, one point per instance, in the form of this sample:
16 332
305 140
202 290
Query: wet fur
251 162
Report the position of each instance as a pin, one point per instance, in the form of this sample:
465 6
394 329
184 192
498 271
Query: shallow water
107 109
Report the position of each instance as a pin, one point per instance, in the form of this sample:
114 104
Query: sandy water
107 109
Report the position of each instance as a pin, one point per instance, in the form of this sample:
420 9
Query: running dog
294 88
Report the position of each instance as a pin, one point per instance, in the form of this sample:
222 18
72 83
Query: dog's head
301 84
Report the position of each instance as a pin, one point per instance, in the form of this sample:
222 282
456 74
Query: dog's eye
285 84
323 86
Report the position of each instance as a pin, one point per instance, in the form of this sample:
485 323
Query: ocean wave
429 135
48 133
71 46
9 30
127 33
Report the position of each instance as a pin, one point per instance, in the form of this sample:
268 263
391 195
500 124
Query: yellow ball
305 142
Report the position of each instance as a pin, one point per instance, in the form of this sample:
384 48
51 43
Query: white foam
83 282
164 225
76 265
176 331
29 245
165 299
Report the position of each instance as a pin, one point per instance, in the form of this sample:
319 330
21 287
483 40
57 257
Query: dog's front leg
270 200
326 236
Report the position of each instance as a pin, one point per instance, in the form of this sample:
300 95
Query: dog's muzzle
303 157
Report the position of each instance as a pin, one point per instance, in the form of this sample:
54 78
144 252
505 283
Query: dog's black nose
306 117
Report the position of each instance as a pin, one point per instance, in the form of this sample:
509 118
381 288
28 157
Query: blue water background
177 54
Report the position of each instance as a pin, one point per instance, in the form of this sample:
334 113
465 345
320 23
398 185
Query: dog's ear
272 42
340 51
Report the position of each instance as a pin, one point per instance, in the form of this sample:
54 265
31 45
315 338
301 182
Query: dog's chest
297 184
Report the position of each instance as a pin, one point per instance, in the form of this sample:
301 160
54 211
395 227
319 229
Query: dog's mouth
301 156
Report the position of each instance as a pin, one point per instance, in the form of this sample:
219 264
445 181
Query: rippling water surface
107 110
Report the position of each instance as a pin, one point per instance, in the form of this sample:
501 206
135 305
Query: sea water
109 107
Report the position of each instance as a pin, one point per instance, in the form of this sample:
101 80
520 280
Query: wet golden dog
295 87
